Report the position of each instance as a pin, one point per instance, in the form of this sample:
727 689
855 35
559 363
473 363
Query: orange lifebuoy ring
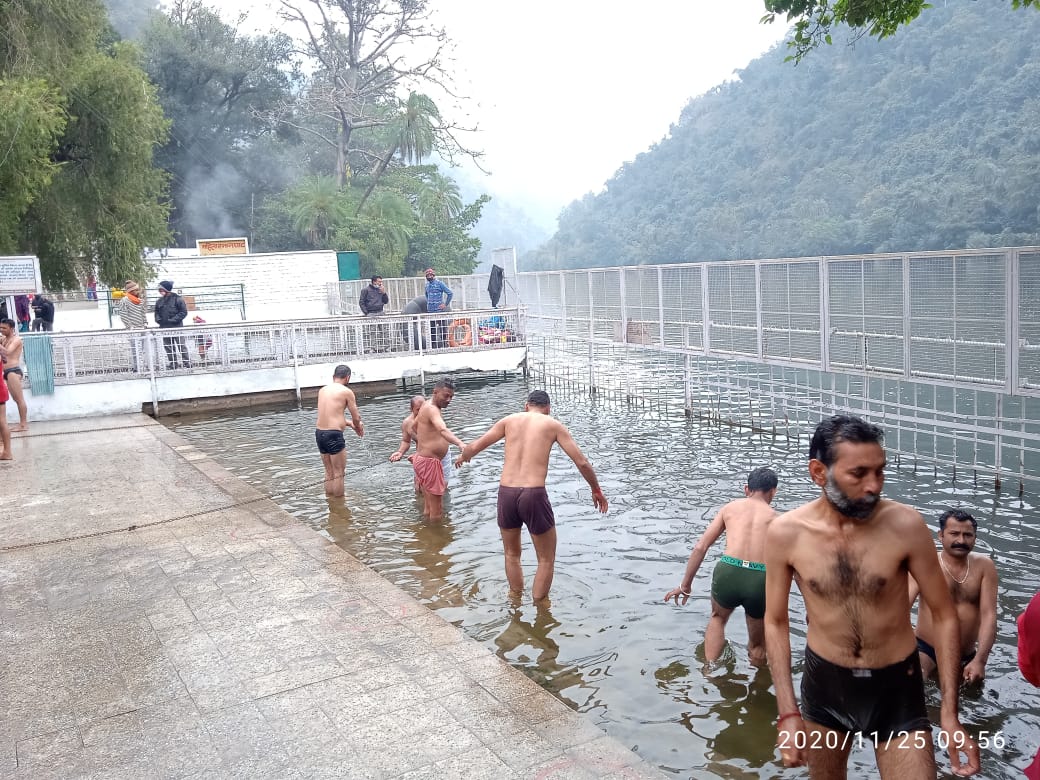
460 334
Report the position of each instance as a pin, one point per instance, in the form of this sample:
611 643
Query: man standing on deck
850 552
438 298
433 438
972 580
11 347
739 579
334 400
522 499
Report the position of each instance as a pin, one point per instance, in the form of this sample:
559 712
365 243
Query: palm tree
438 198
318 207
414 134
391 218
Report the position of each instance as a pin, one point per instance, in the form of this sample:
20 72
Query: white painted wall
278 285
93 399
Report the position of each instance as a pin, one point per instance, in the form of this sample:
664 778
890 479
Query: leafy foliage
84 194
814 19
215 85
923 141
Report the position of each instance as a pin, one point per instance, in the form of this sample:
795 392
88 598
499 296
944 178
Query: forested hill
928 140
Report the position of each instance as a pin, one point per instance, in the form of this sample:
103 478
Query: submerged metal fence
942 348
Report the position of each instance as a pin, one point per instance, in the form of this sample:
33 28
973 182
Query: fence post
907 318
295 364
150 346
759 346
660 302
242 299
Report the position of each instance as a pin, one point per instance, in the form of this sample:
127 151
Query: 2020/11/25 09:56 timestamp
905 740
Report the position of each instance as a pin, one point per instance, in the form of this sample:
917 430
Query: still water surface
608 645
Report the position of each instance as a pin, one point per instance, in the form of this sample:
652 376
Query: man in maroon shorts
522 500
432 440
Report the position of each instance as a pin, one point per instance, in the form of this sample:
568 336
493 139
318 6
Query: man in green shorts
739 579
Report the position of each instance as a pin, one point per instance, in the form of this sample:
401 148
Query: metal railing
470 292
941 348
112 355
212 297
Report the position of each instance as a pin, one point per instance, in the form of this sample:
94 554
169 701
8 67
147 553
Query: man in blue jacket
438 298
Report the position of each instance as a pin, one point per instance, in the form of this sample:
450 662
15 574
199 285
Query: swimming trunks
525 506
429 474
329 442
14 370
929 651
884 701
736 583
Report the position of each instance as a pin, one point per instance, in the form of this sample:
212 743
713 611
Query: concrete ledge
226 639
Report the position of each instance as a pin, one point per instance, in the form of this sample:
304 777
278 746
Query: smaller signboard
222 246
20 275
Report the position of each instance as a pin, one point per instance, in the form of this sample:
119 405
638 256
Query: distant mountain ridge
927 140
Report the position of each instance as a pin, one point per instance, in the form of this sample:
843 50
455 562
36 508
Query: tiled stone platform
237 642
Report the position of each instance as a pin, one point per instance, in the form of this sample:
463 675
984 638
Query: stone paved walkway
236 642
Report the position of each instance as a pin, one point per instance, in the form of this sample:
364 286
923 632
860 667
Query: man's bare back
529 437
333 401
745 521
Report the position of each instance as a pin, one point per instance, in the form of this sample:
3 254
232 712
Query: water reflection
608 644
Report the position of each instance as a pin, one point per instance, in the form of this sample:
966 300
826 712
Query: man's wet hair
377 276
960 515
538 398
446 383
342 371
8 322
762 480
843 427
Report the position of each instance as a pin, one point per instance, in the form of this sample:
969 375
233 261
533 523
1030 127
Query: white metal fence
135 354
943 348
470 292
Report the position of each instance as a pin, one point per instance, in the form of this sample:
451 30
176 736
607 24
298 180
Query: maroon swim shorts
525 506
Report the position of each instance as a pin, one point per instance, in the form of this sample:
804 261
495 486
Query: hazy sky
565 91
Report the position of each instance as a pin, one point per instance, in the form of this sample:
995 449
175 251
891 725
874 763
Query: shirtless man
433 438
850 552
739 579
972 580
409 434
522 499
334 400
12 360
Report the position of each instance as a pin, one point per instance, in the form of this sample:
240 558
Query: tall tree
95 200
413 134
215 85
366 52
815 19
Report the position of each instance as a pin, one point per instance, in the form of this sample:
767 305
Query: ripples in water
608 645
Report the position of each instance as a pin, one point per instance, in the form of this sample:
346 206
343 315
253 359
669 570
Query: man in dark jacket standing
43 309
170 311
373 299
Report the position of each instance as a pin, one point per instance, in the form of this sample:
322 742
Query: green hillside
928 140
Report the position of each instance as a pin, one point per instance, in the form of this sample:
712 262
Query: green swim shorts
736 583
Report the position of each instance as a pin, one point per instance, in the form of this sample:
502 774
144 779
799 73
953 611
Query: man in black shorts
851 552
522 500
335 400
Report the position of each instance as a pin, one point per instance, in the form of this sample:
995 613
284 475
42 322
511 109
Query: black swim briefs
883 701
928 650
13 370
525 506
329 442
